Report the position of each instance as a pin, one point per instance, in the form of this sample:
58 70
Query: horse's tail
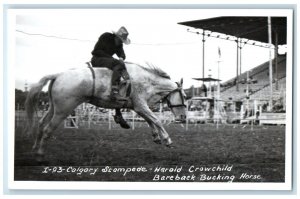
32 99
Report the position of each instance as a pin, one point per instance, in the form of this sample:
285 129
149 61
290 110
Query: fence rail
195 117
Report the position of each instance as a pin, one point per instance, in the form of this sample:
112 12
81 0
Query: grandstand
264 93
260 89
249 94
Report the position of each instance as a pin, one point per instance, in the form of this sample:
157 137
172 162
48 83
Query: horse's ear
181 81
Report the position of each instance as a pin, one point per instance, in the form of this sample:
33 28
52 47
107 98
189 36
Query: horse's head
176 102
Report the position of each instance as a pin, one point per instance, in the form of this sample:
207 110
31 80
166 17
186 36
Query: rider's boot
115 81
120 120
115 95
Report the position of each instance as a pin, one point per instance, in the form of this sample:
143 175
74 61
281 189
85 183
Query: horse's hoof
167 141
170 146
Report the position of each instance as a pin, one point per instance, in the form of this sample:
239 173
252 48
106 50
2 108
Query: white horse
69 89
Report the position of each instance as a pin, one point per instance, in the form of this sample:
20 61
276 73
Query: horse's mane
154 70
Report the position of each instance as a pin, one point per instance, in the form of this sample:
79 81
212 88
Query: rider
107 45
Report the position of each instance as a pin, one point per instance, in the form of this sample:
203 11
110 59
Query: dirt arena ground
234 153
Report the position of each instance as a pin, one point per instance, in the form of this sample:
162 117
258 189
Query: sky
49 41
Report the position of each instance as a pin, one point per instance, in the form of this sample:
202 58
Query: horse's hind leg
62 108
42 123
50 127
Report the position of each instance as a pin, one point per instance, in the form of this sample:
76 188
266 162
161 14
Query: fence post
109 120
89 118
260 112
133 117
187 119
241 113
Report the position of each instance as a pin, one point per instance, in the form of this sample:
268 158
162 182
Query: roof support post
270 62
276 59
240 57
237 63
203 54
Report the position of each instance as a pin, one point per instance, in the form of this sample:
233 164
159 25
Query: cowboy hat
122 33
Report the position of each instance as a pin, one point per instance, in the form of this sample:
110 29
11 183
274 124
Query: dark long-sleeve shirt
107 47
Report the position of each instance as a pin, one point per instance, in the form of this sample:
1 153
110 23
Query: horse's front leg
145 112
155 134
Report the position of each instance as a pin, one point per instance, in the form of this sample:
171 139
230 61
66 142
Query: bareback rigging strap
93 75
128 84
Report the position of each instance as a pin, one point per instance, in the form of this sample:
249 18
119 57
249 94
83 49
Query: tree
20 97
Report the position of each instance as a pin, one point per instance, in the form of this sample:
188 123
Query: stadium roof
252 28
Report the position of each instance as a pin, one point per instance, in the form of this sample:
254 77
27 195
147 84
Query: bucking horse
67 90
